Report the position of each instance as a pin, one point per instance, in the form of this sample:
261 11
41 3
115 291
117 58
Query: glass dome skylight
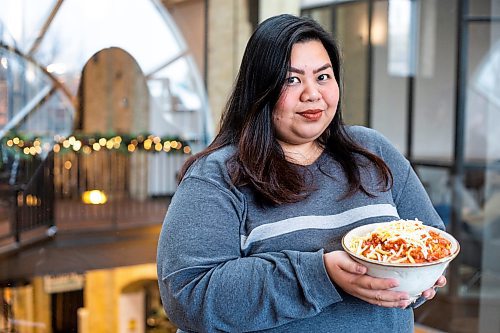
44 45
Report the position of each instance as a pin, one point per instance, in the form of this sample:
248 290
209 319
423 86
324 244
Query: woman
251 240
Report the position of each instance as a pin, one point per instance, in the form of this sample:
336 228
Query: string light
147 144
89 144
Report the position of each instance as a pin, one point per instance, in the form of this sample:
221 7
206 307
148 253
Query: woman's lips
311 114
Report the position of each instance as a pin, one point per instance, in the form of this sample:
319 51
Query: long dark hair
246 123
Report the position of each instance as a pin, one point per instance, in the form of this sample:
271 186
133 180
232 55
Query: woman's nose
310 93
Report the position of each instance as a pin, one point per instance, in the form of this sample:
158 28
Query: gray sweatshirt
228 264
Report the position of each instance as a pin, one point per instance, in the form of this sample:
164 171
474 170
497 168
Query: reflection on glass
490 279
487 82
388 91
437 183
483 103
484 8
54 117
21 20
173 103
352 30
434 89
31 103
487 79
402 33
379 30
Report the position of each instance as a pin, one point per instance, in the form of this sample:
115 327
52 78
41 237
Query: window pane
176 109
490 280
437 183
30 103
21 20
483 105
82 28
402 37
351 26
389 93
434 102
484 8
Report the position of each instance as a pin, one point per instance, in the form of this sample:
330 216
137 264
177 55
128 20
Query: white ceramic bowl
413 278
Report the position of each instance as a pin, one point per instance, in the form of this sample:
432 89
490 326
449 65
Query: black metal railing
35 200
26 200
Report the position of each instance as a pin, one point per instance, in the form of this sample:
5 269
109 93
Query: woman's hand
350 276
431 292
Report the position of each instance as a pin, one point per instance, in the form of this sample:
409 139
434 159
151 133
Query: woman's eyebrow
322 68
300 71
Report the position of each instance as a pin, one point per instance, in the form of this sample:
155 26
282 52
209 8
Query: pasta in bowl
407 250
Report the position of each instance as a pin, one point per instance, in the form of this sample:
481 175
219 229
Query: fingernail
360 269
404 304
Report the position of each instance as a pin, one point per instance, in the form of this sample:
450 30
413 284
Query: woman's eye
323 77
292 80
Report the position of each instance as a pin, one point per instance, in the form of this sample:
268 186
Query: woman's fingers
350 276
370 283
376 291
345 263
441 282
431 292
388 299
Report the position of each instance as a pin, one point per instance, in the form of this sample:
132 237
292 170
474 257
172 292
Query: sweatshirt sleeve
206 284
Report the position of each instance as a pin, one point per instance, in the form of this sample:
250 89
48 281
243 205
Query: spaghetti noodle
402 241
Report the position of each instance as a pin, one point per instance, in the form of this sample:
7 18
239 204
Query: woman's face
309 98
